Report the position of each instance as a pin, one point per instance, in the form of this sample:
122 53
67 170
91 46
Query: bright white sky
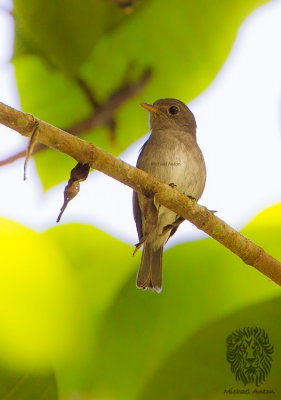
239 132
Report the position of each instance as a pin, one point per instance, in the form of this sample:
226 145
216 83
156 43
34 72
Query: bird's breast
176 160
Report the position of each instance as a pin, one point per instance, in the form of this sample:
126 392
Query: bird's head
170 114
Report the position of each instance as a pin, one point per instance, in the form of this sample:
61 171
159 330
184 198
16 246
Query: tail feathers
150 271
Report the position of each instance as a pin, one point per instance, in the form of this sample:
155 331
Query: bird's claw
166 229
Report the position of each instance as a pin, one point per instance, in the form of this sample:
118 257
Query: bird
172 155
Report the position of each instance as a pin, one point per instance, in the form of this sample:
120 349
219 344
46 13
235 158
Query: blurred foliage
200 360
184 43
129 344
27 386
64 33
40 304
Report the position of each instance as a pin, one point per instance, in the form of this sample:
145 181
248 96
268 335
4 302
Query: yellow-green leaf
40 300
27 386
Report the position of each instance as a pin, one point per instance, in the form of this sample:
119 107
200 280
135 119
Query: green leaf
183 43
41 310
17 386
101 264
198 369
64 32
101 261
54 290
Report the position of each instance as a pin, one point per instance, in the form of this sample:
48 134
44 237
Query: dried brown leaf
78 174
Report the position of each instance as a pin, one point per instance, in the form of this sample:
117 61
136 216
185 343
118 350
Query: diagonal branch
103 114
140 181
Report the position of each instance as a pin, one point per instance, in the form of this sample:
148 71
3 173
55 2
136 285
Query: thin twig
140 181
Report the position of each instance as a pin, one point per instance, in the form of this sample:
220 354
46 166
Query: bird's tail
150 271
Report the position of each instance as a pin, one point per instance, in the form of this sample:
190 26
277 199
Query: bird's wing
136 206
137 214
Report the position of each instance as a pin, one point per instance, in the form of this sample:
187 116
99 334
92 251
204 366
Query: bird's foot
166 229
169 227
190 197
172 184
212 211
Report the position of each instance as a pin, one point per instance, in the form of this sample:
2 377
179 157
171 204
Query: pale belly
177 163
180 168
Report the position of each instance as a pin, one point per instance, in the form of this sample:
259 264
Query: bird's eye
173 110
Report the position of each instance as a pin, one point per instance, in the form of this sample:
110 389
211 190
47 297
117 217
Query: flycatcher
172 155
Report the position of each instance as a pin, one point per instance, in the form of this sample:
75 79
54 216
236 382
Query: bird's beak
150 108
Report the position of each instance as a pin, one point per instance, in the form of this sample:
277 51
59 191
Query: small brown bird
172 155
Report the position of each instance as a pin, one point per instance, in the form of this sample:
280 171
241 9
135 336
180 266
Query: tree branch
103 114
140 181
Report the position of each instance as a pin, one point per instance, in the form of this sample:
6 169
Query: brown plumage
172 155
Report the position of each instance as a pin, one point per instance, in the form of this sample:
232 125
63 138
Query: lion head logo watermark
249 354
